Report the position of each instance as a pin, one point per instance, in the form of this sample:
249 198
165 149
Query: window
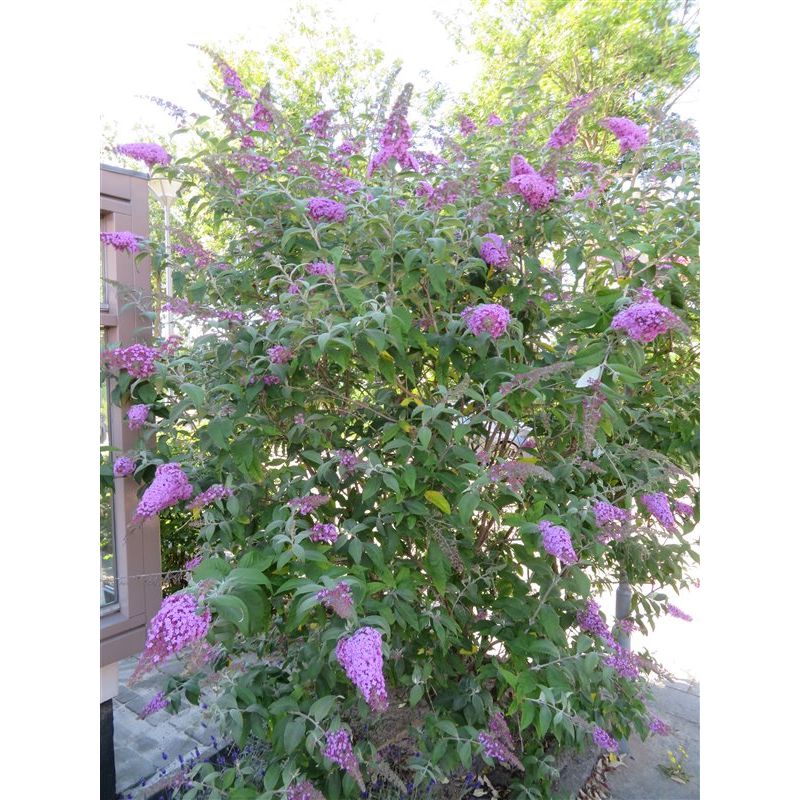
109 594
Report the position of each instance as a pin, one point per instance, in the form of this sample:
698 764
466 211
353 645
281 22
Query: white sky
174 71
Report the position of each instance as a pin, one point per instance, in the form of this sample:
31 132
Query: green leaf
543 721
415 695
439 500
322 707
294 734
232 608
194 393
424 437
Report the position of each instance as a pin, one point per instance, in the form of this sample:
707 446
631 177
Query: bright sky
170 69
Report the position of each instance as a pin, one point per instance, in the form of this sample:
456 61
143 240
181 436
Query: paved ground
676 645
150 750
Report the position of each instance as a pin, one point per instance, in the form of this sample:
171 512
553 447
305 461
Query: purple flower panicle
137 416
674 611
308 503
339 599
158 702
629 135
494 252
123 467
536 189
466 125
280 354
557 541
339 749
169 486
657 504
646 319
361 658
395 139
590 621
210 495
175 626
121 240
323 269
493 120
325 532
305 790
323 209
624 662
488 318
604 740
658 726
150 153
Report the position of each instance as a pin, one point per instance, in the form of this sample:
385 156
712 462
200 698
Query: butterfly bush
393 437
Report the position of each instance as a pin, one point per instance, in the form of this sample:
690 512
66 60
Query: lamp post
166 191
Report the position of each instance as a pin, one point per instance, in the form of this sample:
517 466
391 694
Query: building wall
124 207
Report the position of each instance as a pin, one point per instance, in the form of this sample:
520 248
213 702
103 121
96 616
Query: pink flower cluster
624 662
151 154
604 740
121 240
488 318
467 126
646 319
557 541
192 563
320 123
123 467
169 486
536 189
515 473
582 101
395 139
658 726
565 134
232 80
325 209
494 252
361 658
606 513
349 461
339 599
308 503
158 702
323 269
210 495
138 360
684 509
607 516
498 743
305 790
262 118
325 532
674 611
175 625
629 135
657 504
339 749
184 308
592 622
137 416
280 354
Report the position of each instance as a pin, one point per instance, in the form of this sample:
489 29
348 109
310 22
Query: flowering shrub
443 409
